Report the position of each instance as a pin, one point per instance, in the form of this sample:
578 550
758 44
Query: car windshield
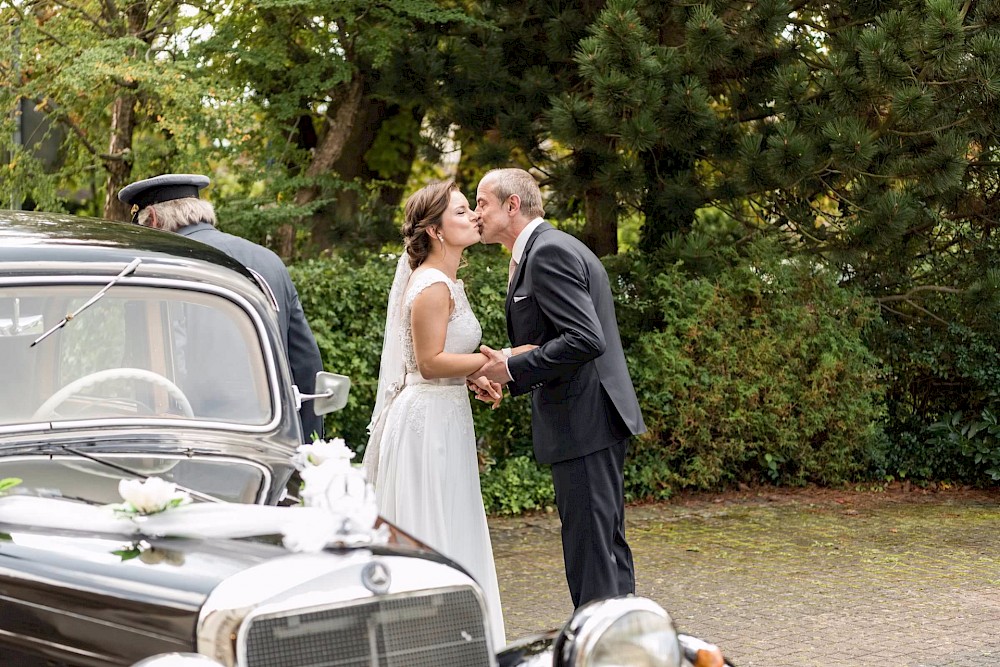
136 353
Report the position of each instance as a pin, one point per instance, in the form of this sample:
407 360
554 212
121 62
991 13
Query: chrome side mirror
331 393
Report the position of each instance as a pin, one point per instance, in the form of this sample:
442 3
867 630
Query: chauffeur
170 202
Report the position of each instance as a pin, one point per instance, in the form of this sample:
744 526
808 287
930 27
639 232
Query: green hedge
757 374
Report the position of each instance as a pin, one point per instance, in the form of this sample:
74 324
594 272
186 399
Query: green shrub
344 299
974 441
516 485
759 374
937 372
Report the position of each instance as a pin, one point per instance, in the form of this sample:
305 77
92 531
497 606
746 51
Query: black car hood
107 595
117 599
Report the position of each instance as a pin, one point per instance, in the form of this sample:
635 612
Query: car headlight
177 660
630 631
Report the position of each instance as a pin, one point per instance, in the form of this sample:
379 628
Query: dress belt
417 378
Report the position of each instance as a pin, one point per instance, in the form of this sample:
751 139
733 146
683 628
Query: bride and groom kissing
565 351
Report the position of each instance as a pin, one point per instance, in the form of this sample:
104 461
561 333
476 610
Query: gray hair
177 213
507 182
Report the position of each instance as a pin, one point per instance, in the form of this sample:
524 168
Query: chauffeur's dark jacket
560 299
303 352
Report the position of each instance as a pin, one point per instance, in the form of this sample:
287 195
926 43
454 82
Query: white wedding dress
427 480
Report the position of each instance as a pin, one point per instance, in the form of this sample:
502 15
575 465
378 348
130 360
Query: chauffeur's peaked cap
162 188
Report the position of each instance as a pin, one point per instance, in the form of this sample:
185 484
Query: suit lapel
516 279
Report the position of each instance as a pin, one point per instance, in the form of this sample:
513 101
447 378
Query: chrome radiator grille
439 628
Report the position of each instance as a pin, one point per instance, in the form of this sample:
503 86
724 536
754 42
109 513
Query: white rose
320 451
151 495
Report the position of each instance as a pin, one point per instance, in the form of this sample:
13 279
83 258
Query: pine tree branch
897 312
962 13
950 82
916 290
797 228
824 29
919 229
927 312
935 130
831 190
755 117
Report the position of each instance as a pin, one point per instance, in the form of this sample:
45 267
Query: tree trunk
340 217
600 232
330 147
123 120
119 170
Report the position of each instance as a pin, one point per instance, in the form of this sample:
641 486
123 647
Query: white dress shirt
517 252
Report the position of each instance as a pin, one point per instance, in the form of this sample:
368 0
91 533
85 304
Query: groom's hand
495 369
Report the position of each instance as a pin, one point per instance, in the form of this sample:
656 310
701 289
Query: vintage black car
128 354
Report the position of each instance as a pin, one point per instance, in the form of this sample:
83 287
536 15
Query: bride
421 454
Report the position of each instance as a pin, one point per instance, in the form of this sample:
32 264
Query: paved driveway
795 578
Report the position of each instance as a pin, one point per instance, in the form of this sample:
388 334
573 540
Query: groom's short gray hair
507 182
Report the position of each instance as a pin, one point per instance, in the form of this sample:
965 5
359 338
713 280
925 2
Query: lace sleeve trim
424 280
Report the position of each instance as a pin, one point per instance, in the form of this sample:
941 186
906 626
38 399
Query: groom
584 408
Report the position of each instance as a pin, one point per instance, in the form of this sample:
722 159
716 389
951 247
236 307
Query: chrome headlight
630 631
177 660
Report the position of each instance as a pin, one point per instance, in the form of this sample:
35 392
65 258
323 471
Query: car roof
33 236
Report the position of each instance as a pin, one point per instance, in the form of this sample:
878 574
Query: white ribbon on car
302 528
339 509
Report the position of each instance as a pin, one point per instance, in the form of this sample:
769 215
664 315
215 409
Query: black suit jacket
300 344
560 299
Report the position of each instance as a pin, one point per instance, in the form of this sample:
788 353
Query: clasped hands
487 383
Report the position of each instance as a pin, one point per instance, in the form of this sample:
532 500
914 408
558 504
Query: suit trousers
591 501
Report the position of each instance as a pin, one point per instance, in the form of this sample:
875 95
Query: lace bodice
464 331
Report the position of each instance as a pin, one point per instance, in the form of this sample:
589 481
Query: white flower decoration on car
149 496
320 451
330 482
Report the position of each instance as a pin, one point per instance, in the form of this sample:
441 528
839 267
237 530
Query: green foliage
977 439
73 65
938 372
759 373
517 485
337 93
344 299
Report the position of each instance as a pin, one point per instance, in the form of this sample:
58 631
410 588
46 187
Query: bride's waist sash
418 379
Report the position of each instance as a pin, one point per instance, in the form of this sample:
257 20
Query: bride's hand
486 391
498 389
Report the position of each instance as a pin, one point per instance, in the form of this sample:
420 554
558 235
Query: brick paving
788 579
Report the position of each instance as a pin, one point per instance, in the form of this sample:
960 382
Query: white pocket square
519 298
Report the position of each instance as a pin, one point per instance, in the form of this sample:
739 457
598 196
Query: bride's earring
441 239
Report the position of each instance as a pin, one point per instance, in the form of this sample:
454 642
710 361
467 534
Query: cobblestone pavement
791 579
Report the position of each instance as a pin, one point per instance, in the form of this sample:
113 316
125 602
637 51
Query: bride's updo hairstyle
424 209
